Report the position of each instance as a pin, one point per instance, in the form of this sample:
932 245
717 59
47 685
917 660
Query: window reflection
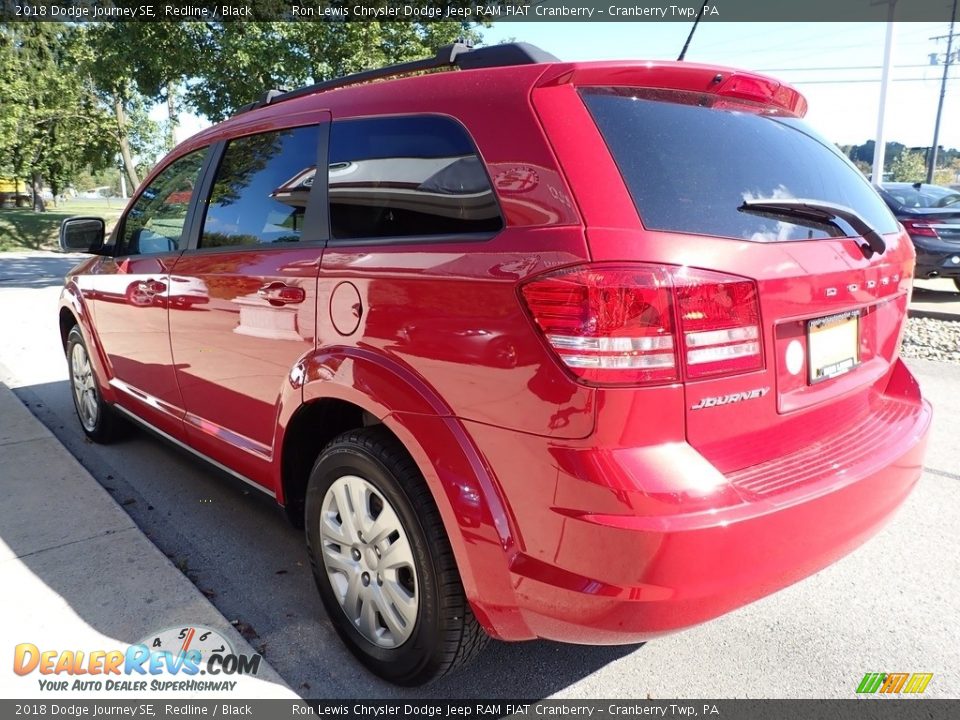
409 176
261 189
155 222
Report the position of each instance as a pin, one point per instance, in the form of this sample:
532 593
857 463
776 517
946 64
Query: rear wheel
97 419
382 561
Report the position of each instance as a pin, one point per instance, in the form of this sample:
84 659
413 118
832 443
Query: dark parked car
931 215
580 351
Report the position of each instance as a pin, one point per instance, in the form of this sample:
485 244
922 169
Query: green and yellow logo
894 683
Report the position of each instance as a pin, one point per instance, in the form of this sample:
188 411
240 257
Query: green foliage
74 96
115 60
51 124
908 167
88 179
944 176
946 158
244 60
24 229
864 153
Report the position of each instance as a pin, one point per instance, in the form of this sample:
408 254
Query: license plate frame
833 346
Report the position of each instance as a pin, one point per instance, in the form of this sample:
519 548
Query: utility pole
932 157
880 145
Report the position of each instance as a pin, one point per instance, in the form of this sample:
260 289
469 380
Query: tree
111 63
50 123
908 167
157 58
244 60
74 95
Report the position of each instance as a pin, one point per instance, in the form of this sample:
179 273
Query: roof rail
459 54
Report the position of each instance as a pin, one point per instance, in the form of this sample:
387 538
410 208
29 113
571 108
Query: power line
932 160
841 67
863 80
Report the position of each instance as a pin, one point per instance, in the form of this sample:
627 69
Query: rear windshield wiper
820 215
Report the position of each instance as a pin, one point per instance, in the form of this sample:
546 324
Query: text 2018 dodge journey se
581 351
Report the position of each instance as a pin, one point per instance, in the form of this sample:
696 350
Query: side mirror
82 234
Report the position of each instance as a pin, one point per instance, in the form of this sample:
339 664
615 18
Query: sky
836 66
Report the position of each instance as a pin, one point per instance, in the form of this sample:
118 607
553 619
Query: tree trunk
124 139
37 187
173 116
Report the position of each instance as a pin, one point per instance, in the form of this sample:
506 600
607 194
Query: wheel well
310 429
67 322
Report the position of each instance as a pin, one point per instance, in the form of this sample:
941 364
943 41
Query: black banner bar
874 709
469 10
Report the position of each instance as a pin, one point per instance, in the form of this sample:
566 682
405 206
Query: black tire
446 635
105 426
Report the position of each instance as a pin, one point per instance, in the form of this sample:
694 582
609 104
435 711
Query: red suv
581 351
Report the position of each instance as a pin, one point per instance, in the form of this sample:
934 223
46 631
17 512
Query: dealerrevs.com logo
172 660
894 683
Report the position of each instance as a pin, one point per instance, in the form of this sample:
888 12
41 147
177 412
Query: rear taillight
720 320
608 324
636 324
918 227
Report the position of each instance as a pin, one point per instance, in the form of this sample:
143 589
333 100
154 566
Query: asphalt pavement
891 606
937 298
78 573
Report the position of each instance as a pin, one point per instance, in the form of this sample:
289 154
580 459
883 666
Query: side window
260 191
407 176
155 221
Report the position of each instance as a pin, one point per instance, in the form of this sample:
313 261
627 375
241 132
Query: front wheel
96 417
382 561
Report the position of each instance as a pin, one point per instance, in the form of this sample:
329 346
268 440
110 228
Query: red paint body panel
128 301
234 356
621 545
576 512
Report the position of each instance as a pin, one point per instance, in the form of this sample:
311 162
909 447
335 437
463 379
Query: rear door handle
278 293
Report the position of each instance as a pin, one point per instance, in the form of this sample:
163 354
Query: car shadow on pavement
36 269
928 295
237 547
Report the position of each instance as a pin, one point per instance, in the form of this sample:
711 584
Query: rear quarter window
689 166
413 176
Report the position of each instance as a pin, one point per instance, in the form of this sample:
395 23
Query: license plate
833 345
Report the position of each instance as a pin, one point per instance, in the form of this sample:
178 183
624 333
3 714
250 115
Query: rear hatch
787 340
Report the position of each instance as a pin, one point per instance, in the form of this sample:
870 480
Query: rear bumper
936 257
613 577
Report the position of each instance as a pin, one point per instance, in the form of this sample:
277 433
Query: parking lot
891 606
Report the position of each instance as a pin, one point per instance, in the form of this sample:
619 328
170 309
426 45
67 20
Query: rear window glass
689 167
927 196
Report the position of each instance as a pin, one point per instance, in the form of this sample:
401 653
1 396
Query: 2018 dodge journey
581 351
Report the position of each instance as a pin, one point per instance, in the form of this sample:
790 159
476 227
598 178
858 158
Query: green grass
24 229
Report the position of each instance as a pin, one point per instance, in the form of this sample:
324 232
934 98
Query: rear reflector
616 324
